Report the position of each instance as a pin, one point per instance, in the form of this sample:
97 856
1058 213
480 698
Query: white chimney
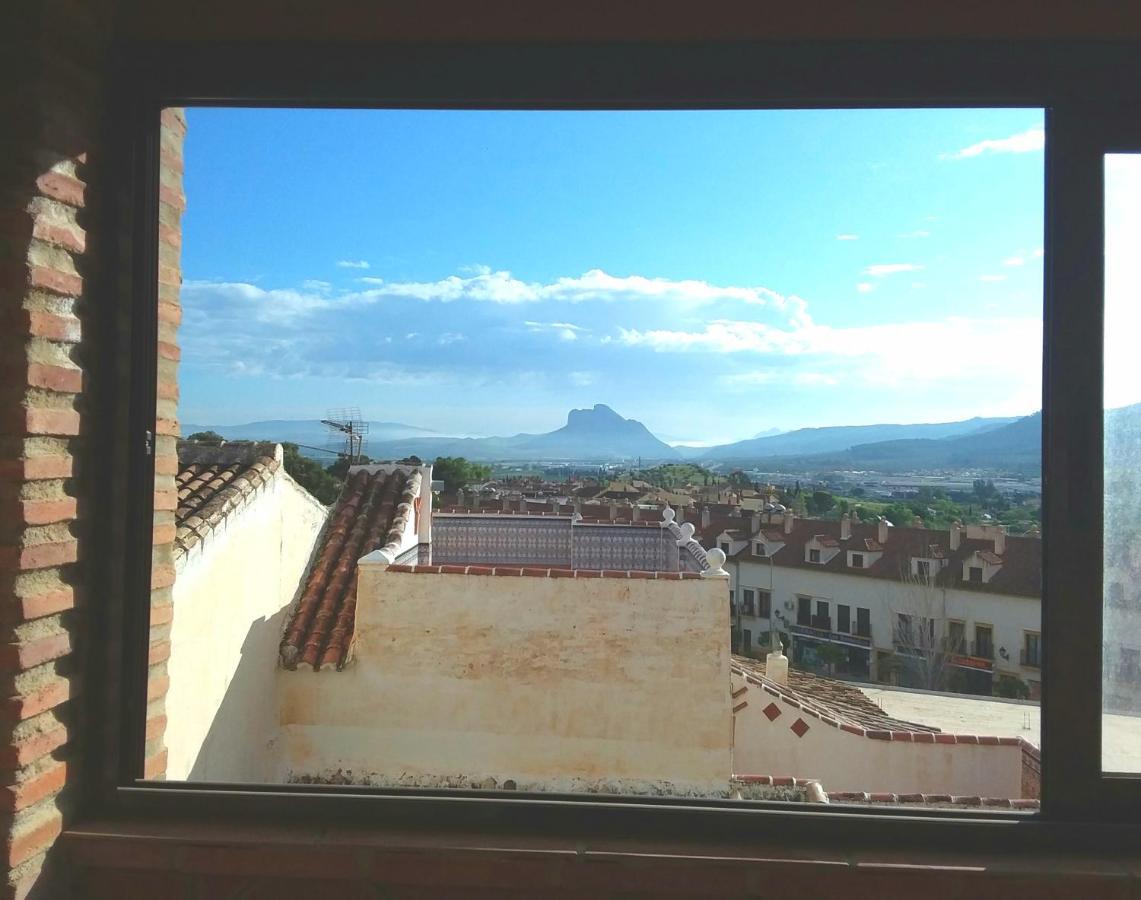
460 498
776 663
789 518
706 517
845 527
755 522
956 534
1000 540
554 504
613 510
635 513
523 505
504 503
881 536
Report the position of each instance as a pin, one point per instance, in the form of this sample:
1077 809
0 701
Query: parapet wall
604 681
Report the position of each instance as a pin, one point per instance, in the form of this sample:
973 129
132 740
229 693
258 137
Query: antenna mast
348 429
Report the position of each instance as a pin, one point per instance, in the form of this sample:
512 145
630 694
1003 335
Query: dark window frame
1092 96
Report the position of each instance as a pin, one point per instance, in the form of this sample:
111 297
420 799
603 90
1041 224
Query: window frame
1091 94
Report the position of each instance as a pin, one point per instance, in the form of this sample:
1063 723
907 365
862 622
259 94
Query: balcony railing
823 623
982 649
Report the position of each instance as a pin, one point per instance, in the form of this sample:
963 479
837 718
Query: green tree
819 502
206 437
311 475
457 472
739 480
831 655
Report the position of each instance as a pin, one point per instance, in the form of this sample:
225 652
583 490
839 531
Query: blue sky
710 273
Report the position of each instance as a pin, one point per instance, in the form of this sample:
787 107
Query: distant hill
303 431
840 438
589 435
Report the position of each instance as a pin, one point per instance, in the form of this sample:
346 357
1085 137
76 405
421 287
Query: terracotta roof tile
215 480
370 514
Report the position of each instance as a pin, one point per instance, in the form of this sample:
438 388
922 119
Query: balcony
821 623
982 649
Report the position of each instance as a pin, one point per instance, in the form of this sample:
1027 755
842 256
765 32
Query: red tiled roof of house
215 480
371 513
825 540
1020 573
827 698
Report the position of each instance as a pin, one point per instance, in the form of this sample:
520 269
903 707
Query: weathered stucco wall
231 594
842 761
552 683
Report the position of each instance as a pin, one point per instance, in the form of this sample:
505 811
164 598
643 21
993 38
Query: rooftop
370 514
214 480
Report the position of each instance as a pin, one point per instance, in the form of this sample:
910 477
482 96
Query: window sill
131 852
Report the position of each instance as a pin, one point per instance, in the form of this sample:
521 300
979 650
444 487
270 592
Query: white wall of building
553 683
1009 616
842 761
231 595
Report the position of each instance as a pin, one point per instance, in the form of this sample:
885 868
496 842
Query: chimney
881 536
613 510
635 513
755 523
555 504
789 518
706 517
956 534
845 527
460 498
523 505
505 503
578 506
776 663
1000 540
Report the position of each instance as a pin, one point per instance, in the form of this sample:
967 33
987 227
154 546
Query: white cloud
582 379
1027 141
1002 348
847 237
865 287
992 278
916 234
320 287
1014 261
450 337
566 331
881 270
352 263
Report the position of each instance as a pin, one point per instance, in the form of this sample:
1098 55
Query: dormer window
923 568
814 556
857 560
976 574
759 548
725 547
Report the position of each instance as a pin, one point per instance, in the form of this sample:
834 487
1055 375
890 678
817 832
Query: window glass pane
1121 656
670 372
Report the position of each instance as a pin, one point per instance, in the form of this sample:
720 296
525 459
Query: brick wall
53 313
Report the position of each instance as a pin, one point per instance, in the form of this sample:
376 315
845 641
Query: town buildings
943 610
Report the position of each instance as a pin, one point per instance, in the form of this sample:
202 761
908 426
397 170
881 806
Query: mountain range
600 434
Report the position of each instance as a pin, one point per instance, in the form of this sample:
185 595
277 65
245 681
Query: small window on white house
976 575
857 560
814 556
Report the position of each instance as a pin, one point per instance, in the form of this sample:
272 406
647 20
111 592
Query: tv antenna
348 429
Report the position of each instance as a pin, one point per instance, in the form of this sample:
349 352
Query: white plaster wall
540 680
842 761
231 594
1009 615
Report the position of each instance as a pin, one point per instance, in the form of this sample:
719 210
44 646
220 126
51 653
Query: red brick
62 187
14 797
783 781
944 738
19 657
989 740
39 556
172 237
562 573
63 422
162 576
24 846
171 197
157 686
18 755
506 570
453 570
53 327
966 739
51 695
639 574
169 275
69 237
535 572
615 573
52 280
41 467
171 121
171 161
904 736
923 737
587 573
170 313
159 652
169 351
166 464
55 378
162 613
166 500
163 534
44 512
155 766
877 735
156 727
47 604
167 427
480 570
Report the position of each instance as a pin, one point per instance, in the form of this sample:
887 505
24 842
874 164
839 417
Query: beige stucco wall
842 761
553 683
231 594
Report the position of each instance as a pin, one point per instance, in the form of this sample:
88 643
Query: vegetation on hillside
457 473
